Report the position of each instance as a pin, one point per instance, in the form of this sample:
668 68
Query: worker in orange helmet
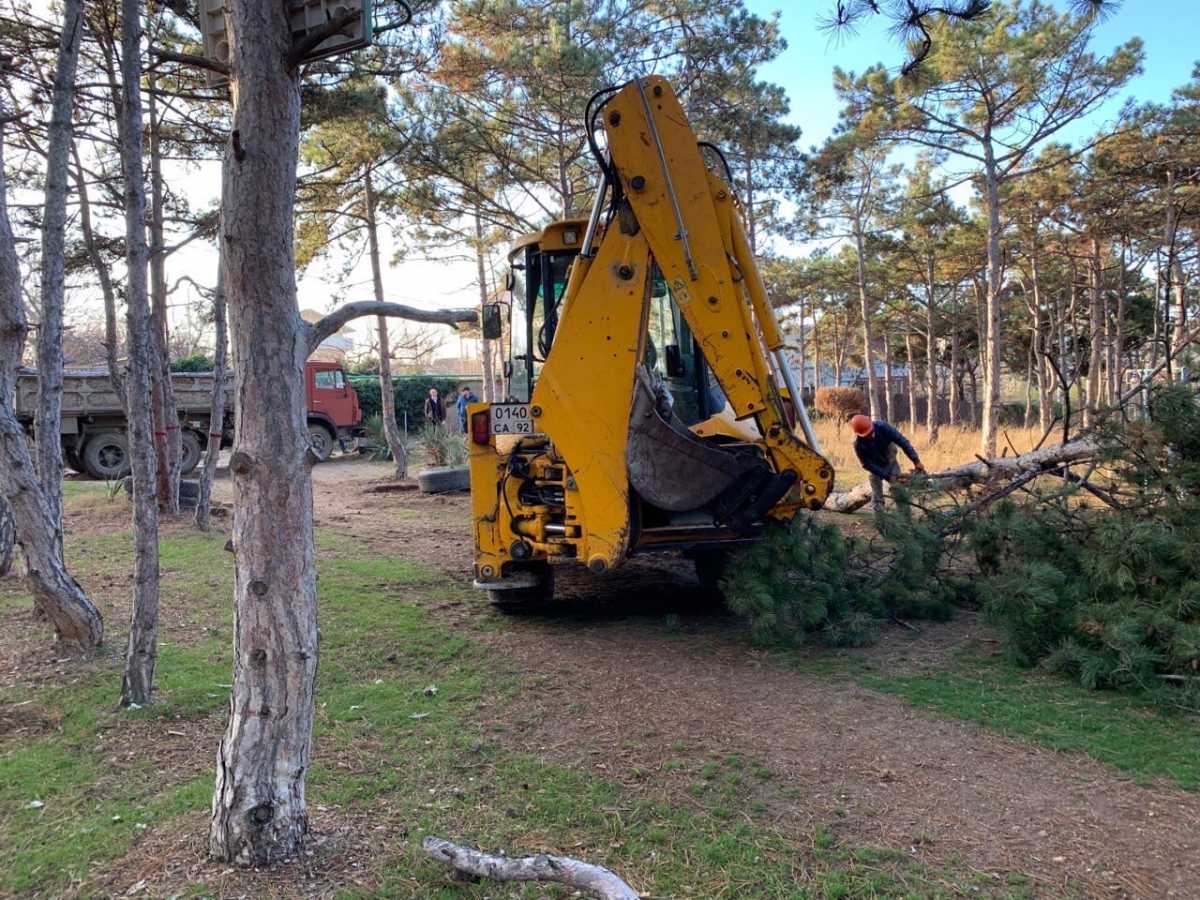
875 446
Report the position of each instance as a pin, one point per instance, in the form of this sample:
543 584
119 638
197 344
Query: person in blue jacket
875 446
465 396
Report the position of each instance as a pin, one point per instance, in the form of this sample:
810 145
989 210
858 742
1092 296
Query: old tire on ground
106 456
527 599
190 452
322 441
444 479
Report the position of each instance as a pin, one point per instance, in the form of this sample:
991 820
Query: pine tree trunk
259 815
912 379
1045 413
1118 359
48 417
168 443
866 312
887 377
932 419
955 372
55 593
991 335
216 409
1095 335
387 396
1175 278
489 375
141 653
104 276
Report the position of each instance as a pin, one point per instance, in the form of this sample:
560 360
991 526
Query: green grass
447 762
1120 730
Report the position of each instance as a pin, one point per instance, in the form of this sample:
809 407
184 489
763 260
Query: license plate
511 418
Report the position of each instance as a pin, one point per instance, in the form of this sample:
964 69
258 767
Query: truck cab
333 411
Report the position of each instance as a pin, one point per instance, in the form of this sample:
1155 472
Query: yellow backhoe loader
649 404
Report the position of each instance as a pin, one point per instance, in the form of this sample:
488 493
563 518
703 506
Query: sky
1168 28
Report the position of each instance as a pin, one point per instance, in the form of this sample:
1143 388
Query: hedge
410 392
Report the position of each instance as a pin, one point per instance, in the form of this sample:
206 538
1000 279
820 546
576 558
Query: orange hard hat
862 425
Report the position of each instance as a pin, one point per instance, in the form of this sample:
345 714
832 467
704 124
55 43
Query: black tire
444 479
106 456
190 452
528 599
321 440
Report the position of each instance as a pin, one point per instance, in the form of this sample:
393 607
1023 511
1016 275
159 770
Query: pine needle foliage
1109 596
808 581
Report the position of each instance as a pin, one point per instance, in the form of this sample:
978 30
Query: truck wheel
526 599
106 456
189 456
444 479
321 441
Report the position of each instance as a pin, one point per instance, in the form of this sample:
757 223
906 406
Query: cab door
329 394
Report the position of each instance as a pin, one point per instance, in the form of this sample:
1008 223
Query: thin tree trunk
1045 413
391 430
888 391
932 419
995 262
1095 335
104 276
1030 358
259 815
1118 354
138 681
48 417
865 310
55 592
955 373
1175 279
489 376
168 444
216 409
912 378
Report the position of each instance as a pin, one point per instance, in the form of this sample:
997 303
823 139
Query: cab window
538 287
329 379
671 352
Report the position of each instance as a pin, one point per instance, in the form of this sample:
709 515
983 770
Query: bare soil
640 668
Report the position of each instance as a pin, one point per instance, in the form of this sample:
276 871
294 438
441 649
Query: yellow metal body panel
583 395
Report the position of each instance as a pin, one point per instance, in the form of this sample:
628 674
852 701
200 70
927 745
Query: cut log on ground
979 472
596 881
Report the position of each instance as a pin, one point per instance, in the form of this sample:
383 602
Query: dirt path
624 698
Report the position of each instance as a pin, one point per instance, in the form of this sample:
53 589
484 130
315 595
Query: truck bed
88 392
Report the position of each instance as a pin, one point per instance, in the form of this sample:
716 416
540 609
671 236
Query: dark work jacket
872 451
434 410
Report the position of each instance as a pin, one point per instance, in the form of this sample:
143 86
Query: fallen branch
594 880
1026 466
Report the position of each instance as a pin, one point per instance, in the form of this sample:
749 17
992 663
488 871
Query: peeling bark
596 881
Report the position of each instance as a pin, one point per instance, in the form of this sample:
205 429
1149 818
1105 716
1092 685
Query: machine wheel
106 456
444 479
190 453
527 599
321 440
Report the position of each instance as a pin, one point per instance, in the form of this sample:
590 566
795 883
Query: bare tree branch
332 323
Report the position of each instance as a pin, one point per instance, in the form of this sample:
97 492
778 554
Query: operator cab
539 267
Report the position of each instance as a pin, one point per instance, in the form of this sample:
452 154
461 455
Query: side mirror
675 366
508 370
492 322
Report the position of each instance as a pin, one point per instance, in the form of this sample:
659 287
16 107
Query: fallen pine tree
1025 466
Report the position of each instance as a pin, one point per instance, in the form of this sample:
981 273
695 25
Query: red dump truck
94 428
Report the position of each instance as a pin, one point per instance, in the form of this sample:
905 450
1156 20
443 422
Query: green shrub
197 362
409 391
442 447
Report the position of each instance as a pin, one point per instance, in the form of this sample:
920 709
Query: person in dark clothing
435 410
875 446
465 397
